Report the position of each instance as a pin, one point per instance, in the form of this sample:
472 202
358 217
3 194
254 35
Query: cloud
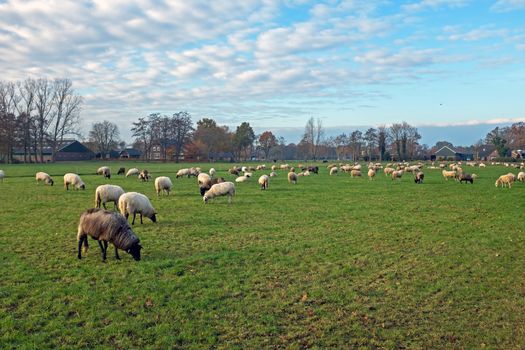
434 4
508 5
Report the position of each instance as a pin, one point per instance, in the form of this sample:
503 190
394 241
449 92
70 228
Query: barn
74 151
447 153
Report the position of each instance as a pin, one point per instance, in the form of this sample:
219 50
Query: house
74 151
487 152
447 153
18 155
130 153
112 154
518 154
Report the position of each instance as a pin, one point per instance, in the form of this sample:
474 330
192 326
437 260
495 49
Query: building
130 153
447 153
74 151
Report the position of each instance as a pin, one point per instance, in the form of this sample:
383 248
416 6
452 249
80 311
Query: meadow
332 262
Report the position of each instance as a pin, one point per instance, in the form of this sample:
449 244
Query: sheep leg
133 221
104 205
141 219
105 249
116 254
101 250
80 241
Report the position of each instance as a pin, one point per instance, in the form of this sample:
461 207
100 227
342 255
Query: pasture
332 262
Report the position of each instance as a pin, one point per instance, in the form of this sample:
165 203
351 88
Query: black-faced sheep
144 175
104 170
75 180
133 203
132 171
107 193
465 177
313 169
121 171
220 189
163 183
41 176
105 226
204 182
419 177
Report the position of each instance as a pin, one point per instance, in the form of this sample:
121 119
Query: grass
332 262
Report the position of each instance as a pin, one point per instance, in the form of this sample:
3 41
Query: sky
452 68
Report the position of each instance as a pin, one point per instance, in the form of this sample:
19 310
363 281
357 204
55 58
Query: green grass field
332 262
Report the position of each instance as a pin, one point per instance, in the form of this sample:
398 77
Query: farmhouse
130 153
74 151
447 153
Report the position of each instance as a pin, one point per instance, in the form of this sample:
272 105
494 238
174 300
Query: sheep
121 171
521 176
41 176
285 166
448 174
504 180
220 189
418 177
217 180
204 182
248 174
75 180
263 181
233 171
273 174
244 169
274 167
133 203
465 177
107 193
482 165
396 174
260 167
388 170
333 170
371 173
182 172
104 170
132 171
194 171
355 173
163 183
346 168
212 172
2 175
512 176
242 179
144 175
292 177
313 169
106 226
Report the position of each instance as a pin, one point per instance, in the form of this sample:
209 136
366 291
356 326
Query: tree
44 107
355 141
267 141
182 128
382 140
210 138
104 136
405 140
498 138
144 133
516 135
243 139
370 139
340 143
313 136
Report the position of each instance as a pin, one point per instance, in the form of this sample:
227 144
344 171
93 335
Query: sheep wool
204 182
521 176
41 176
163 183
263 181
292 177
75 180
220 189
371 173
333 170
243 178
183 172
104 170
132 171
212 172
105 226
133 203
273 174
107 193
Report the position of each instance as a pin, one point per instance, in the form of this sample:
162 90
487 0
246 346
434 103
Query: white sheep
2 175
163 183
333 170
75 180
41 176
133 203
242 179
183 172
104 170
204 182
220 189
292 177
371 173
263 181
273 174
521 176
248 174
107 193
212 172
132 171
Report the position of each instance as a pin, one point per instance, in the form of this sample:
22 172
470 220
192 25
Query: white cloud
434 4
508 5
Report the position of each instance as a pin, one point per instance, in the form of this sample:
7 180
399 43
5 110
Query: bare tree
44 110
182 128
370 139
105 136
313 136
405 140
382 140
25 108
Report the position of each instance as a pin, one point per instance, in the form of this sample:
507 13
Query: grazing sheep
465 177
247 174
274 167
2 175
133 203
512 176
121 171
273 174
212 172
183 172
233 171
204 182
346 168
418 177
217 180
242 179
132 171
292 177
313 169
260 167
107 193
333 170
104 170
448 174
75 180
194 171
397 174
263 181
521 176
106 226
371 173
482 165
504 180
163 183
220 189
355 173
144 175
285 166
41 176
388 170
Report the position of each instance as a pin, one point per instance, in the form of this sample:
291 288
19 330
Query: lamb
104 170
263 181
212 172
163 183
371 173
418 177
504 180
448 174
465 177
355 173
133 203
273 174
204 181
242 179
121 171
2 175
75 180
333 170
521 176
41 176
220 189
107 193
132 171
105 226
144 175
292 177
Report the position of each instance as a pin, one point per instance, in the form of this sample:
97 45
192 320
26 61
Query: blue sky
442 65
